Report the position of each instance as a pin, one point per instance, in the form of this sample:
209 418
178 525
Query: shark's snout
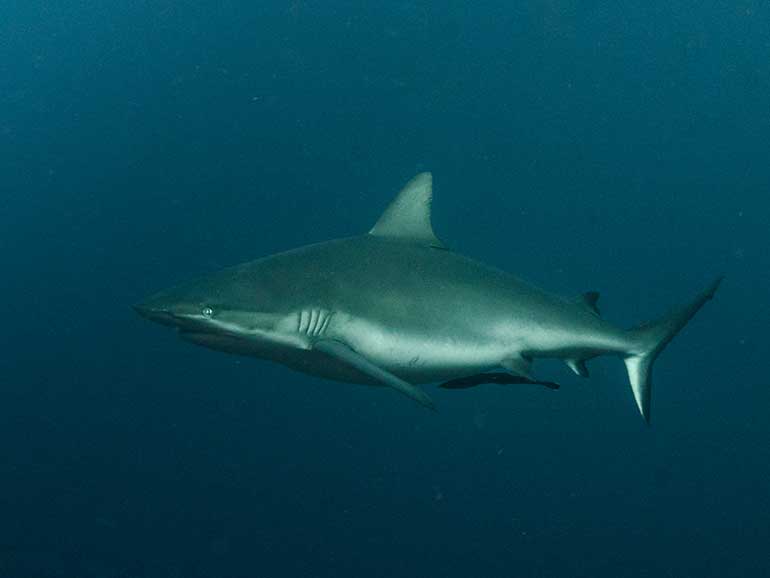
155 313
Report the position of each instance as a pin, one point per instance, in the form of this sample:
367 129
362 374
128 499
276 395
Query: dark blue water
615 146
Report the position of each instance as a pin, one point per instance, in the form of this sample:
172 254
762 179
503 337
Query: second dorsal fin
408 215
591 300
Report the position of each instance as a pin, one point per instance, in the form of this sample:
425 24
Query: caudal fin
650 339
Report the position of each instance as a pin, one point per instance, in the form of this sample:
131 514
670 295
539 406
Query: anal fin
578 366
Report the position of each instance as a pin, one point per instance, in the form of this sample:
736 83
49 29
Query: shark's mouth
208 338
189 334
221 342
198 335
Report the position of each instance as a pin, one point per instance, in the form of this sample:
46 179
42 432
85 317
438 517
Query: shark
395 307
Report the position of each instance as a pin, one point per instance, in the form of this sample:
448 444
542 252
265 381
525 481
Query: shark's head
187 307
229 310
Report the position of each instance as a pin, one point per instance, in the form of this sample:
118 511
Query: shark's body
396 308
422 313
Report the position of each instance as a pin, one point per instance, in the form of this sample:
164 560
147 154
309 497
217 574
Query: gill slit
325 323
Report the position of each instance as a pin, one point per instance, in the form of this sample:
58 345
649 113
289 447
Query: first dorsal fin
408 216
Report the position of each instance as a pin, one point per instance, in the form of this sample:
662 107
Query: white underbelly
422 356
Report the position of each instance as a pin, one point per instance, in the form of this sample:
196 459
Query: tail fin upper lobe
650 339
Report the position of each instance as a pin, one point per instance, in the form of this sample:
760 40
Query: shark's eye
207 311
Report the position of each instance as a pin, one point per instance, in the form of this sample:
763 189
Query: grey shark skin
394 307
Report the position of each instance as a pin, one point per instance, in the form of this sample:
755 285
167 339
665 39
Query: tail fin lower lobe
650 339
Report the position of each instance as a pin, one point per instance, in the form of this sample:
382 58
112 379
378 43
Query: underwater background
582 145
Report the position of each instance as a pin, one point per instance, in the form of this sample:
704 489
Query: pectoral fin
344 353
